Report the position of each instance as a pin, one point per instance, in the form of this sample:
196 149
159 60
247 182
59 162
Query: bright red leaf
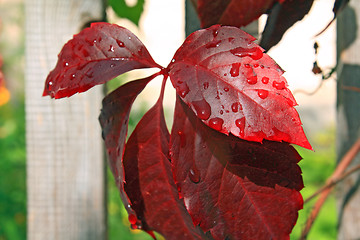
234 87
231 12
234 188
149 183
281 18
95 56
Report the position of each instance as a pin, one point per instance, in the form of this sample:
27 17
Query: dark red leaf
149 183
281 18
233 188
231 12
114 119
95 56
234 88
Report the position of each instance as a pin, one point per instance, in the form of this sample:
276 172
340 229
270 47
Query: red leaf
233 87
234 188
231 12
114 119
281 18
95 56
149 183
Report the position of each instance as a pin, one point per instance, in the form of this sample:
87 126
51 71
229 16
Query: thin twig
333 183
344 163
350 88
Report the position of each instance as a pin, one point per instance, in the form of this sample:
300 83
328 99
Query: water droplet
221 112
256 65
215 33
234 71
120 43
202 108
206 85
226 89
132 218
262 66
173 60
100 39
183 89
129 38
247 65
240 123
255 52
213 44
111 48
65 64
182 138
252 80
50 83
236 106
263 93
194 174
279 85
231 39
112 65
216 123
265 80
72 76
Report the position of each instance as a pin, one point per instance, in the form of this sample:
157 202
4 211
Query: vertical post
348 115
65 165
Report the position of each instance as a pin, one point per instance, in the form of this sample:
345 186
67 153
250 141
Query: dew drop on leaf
183 89
263 93
182 138
255 52
213 44
234 71
279 85
226 89
111 48
202 108
247 65
235 107
194 174
265 80
132 219
216 123
252 80
206 85
120 43
240 123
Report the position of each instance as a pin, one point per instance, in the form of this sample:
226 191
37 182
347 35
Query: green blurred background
316 166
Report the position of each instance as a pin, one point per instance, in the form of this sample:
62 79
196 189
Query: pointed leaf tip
234 87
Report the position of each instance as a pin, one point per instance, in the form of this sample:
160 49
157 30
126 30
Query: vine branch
344 163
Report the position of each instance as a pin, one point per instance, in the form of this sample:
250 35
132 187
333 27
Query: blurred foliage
12 172
317 166
123 10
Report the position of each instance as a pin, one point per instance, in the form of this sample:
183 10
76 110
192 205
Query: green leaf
132 13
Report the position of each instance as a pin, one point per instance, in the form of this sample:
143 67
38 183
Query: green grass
12 172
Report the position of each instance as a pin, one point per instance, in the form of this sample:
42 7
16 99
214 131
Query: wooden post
65 162
348 116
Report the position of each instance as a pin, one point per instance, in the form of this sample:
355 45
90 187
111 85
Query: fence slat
65 165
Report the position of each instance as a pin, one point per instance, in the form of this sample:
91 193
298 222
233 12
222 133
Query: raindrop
112 65
173 60
231 39
252 80
111 48
263 93
262 66
65 64
72 76
213 44
236 106
255 52
240 123
120 43
256 65
279 85
234 71
194 174
202 108
129 38
132 219
215 33
247 65
183 90
265 80
182 138
226 89
216 123
206 85
221 112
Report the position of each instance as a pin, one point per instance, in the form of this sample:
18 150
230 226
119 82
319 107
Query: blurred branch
351 88
344 163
